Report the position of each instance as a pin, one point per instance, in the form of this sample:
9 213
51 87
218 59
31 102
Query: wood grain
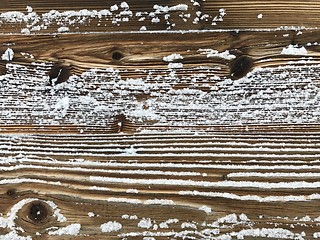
159 119
196 15
140 91
165 178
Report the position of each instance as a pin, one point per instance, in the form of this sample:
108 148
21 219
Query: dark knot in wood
38 212
11 192
240 66
117 55
59 74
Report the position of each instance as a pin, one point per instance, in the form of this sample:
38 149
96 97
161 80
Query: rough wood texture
106 16
207 131
141 89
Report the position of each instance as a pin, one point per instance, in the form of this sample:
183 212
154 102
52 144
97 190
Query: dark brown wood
122 122
102 16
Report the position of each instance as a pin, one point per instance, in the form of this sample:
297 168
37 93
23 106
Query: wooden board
184 129
110 16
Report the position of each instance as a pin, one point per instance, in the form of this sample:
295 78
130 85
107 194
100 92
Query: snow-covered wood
40 16
159 119
204 185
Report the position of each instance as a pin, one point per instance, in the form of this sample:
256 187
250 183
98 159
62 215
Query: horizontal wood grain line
147 188
101 17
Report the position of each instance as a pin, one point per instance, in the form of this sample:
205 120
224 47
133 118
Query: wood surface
184 129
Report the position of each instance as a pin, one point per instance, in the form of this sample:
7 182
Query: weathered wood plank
95 16
179 81
99 16
265 14
133 120
206 186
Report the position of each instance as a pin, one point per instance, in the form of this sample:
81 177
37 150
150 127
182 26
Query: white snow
13 235
62 105
26 180
91 214
206 209
172 57
63 29
132 191
243 217
56 212
274 174
130 151
166 223
166 9
290 198
215 20
72 229
188 225
305 219
124 5
132 217
159 202
29 9
276 233
8 55
316 235
114 8
140 113
179 7
238 184
175 65
138 201
25 31
111 226
124 200
211 53
294 50
155 20
145 223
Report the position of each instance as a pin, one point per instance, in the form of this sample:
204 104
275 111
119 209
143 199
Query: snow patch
132 191
175 65
63 29
277 233
294 50
111 226
159 202
211 53
166 223
14 236
8 55
72 229
145 223
206 209
62 106
127 217
172 57
91 214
